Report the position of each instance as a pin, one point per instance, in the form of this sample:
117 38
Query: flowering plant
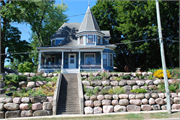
104 74
159 74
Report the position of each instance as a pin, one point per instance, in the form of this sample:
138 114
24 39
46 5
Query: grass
138 116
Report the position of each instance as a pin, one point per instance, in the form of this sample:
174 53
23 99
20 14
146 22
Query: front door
72 60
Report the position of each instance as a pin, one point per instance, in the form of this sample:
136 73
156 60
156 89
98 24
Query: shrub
40 78
117 90
104 91
159 74
142 77
25 67
139 90
11 79
104 74
118 78
22 78
127 77
150 77
90 92
97 78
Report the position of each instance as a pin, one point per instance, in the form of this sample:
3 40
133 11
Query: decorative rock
27 74
135 102
155 107
50 99
131 82
1 114
36 106
120 74
31 84
149 82
88 110
88 103
93 97
96 83
50 74
156 82
26 113
12 114
127 88
149 73
2 90
144 87
100 97
32 74
114 74
38 99
11 106
108 108
22 83
114 102
115 97
40 113
151 101
132 96
106 102
127 73
123 96
161 95
177 100
84 74
119 108
139 96
144 101
17 100
164 107
97 103
114 83
159 101
40 83
1 107
86 97
108 97
154 95
144 74
97 110
87 83
47 105
135 87
25 99
146 107
105 82
173 95
147 95
89 87
131 108
6 100
171 100
176 106
95 74
140 83
44 74
133 74
24 106
107 87
123 102
122 83
55 74
178 94
113 78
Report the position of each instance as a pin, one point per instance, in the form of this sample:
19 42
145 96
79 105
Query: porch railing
90 66
51 66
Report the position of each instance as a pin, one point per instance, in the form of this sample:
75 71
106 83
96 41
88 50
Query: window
81 39
98 40
89 58
53 42
53 59
90 39
110 59
104 59
71 58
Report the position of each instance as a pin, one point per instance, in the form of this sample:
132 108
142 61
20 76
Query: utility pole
163 59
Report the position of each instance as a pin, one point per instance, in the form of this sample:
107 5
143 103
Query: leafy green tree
25 67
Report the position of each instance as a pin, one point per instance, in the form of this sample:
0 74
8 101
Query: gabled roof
89 23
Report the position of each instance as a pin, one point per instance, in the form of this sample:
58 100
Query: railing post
62 62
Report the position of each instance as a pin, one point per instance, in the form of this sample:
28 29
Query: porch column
39 64
79 60
101 59
62 62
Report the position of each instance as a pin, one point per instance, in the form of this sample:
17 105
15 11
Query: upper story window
90 39
98 40
81 39
56 41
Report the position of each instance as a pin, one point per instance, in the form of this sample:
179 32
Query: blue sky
75 7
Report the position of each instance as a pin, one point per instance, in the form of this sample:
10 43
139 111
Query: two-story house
78 47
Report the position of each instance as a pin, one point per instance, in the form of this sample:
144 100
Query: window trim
81 41
110 58
90 54
92 38
99 39
106 59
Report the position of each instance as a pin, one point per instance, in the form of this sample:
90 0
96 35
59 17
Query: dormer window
90 39
99 40
81 39
56 41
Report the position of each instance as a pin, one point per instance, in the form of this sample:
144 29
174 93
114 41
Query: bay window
81 39
98 40
90 39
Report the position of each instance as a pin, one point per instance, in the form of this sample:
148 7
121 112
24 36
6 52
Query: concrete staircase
68 102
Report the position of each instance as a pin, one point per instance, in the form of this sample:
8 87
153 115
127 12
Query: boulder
55 74
156 82
26 113
144 73
127 73
88 103
40 83
119 108
171 100
49 99
140 83
133 74
114 74
154 95
93 97
173 95
108 108
115 97
105 82
131 82
146 107
17 100
100 97
179 94
122 83
155 107
47 105
2 90
97 103
1 106
113 78
123 102
50 75
25 99
11 106
151 101
161 95
176 100
176 106
120 74
107 87
38 99
106 102
127 88
96 83
87 83
1 114
108 97
88 110
27 74
114 83
45 75
115 102
131 108
132 96
135 87
164 107
135 102
24 106
22 83
36 106
123 96
97 110
12 114
149 73
6 100
159 101
145 101
140 96
32 74
31 84
41 113
144 87
86 97
84 74
89 87
147 95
